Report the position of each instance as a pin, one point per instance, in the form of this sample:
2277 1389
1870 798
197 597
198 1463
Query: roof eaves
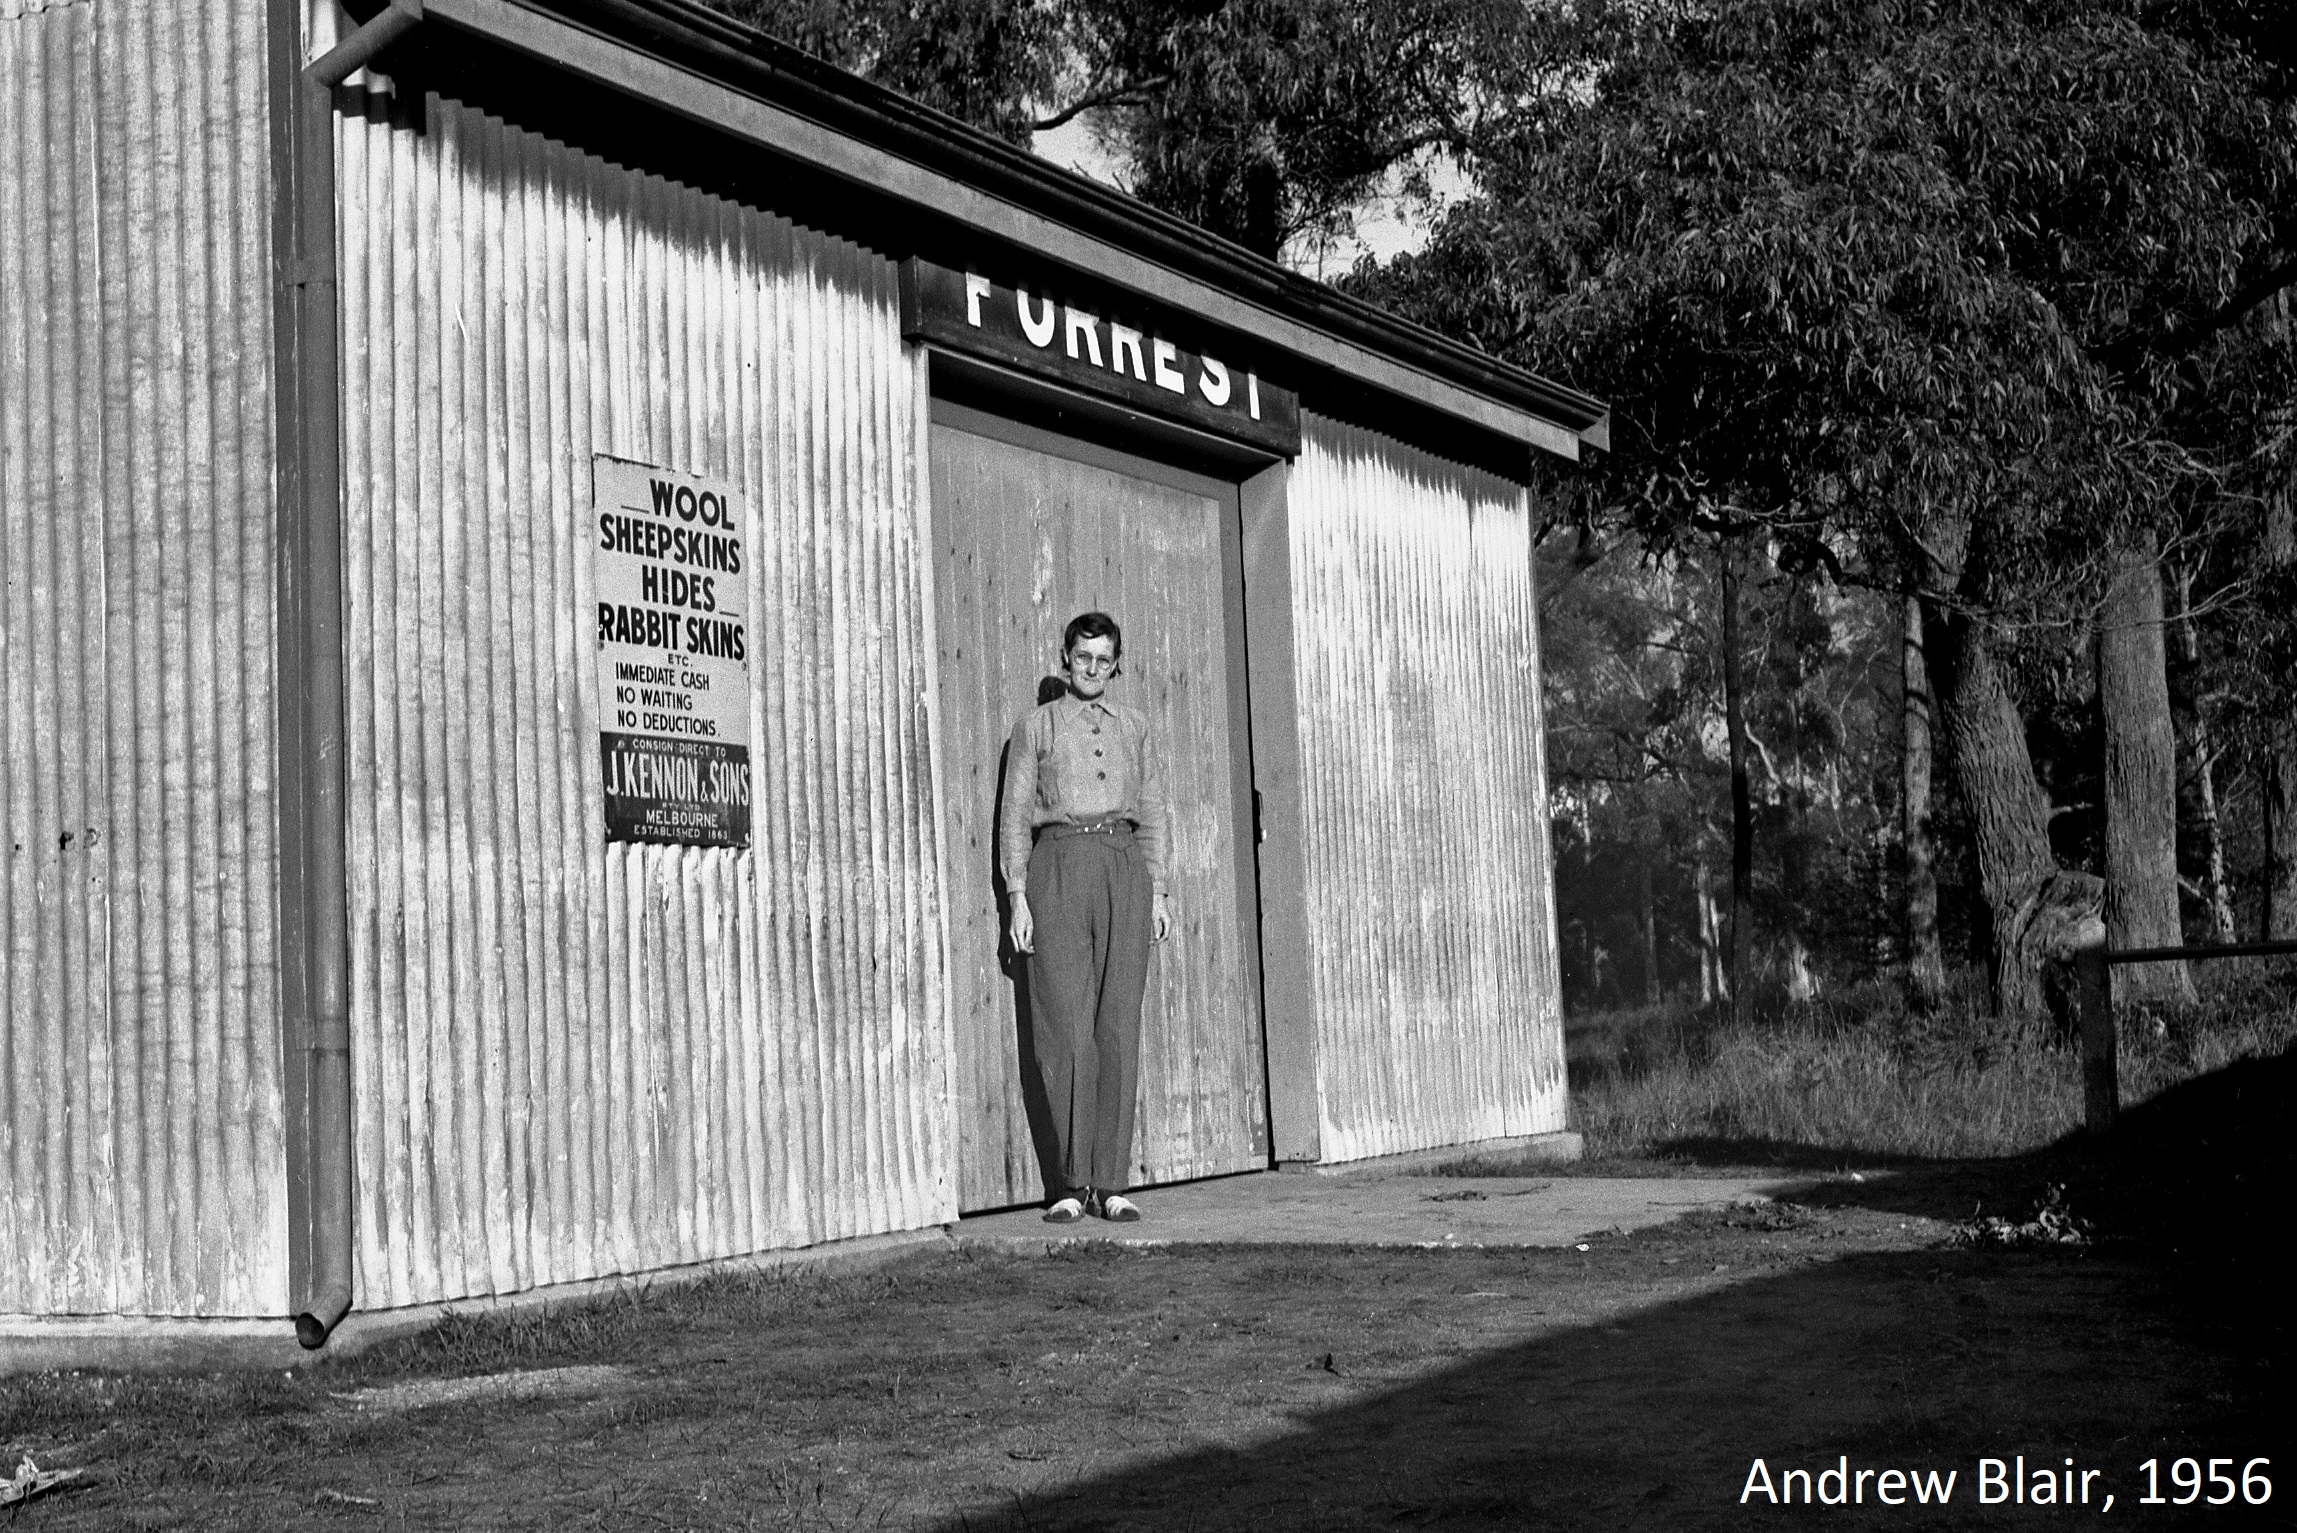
743 59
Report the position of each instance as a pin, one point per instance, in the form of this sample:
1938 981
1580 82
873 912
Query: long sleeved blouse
1074 761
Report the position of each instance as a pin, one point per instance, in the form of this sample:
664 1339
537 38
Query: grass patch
1859 1080
625 1325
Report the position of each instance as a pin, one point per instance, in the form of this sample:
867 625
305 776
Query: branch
1736 524
1591 775
1770 763
2175 339
1136 93
1389 154
1583 558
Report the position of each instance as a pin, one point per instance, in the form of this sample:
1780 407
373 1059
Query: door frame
1228 489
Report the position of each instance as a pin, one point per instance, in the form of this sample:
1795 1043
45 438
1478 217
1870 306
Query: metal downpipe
315 622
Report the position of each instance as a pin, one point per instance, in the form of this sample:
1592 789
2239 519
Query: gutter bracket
362 47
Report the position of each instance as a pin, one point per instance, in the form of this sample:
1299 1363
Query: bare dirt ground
1629 1385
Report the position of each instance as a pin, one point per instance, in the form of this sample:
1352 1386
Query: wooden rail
2101 1066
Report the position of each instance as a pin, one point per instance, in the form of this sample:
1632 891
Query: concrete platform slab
1419 1211
1519 1149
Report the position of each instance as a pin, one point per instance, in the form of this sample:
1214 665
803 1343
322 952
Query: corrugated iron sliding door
573 1058
1429 889
1029 530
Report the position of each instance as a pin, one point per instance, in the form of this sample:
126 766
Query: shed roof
697 63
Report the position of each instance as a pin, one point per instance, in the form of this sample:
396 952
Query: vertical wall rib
1430 896
572 1058
140 1120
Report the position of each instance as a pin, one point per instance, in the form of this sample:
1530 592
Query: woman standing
1081 843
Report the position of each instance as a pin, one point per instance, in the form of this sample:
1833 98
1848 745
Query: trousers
1089 896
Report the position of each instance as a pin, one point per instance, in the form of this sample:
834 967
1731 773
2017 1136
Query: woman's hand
1024 927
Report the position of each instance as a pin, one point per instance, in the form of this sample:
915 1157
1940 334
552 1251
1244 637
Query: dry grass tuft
1860 1079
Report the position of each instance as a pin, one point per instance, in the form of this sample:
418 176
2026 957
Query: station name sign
1092 348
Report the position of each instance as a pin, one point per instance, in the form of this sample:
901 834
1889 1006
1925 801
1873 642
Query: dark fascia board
741 59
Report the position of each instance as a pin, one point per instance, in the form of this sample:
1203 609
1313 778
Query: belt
1113 826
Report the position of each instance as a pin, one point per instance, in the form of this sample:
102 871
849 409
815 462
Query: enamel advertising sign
673 655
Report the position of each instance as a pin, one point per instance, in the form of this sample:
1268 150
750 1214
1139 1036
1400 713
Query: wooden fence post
2101 1072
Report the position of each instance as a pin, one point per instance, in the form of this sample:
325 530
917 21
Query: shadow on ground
2194 1169
2165 1336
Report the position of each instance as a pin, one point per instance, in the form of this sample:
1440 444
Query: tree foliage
1841 266
1264 121
1928 294
1268 120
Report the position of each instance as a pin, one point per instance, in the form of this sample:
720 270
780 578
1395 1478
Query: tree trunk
1742 796
1803 986
1706 937
1710 943
2281 838
2140 778
1925 962
2218 886
2009 813
1650 914
2281 753
2201 749
1263 231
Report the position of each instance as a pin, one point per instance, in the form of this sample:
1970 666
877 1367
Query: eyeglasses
1094 664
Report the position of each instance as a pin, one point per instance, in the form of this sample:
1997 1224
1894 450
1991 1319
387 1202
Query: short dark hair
1093 625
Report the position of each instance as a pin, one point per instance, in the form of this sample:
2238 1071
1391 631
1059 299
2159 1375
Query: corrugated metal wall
572 1058
140 1138
1429 893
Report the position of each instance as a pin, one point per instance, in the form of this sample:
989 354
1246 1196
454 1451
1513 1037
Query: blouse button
1100 774
1096 750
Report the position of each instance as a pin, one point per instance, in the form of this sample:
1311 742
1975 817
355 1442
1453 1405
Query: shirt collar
1081 706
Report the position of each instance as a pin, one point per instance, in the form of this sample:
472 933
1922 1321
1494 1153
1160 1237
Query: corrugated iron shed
324 985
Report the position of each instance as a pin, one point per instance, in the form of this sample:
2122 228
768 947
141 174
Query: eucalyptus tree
1907 287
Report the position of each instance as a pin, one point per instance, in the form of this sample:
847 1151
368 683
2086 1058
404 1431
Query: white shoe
1067 1211
1119 1209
